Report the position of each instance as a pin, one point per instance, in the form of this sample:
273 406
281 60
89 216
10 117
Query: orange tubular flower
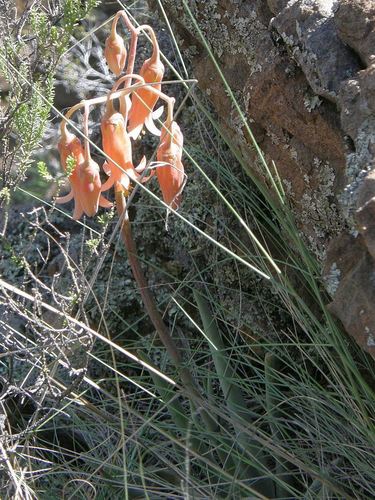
117 145
70 145
90 188
171 175
84 180
115 51
144 100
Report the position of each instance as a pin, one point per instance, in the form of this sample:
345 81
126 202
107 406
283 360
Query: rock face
304 72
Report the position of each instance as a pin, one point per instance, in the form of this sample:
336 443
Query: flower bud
115 53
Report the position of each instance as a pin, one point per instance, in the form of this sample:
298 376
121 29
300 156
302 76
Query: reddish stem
132 54
147 298
155 52
86 131
133 42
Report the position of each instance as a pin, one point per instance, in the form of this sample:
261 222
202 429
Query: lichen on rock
304 70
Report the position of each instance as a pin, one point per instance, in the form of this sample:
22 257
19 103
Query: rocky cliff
304 73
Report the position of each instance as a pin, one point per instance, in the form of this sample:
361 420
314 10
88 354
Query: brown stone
357 101
354 299
355 21
365 214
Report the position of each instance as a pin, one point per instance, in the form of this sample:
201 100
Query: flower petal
103 202
151 127
142 165
157 113
65 199
133 134
78 210
108 183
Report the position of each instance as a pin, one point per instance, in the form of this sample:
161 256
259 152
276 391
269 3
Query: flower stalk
147 297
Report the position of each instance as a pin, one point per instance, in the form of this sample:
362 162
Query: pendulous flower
84 180
117 145
144 99
170 170
115 52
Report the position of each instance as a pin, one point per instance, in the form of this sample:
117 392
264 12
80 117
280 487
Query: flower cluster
137 96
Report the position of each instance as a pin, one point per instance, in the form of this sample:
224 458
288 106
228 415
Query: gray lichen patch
332 279
311 102
234 30
359 164
318 209
307 29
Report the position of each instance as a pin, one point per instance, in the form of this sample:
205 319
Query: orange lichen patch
170 171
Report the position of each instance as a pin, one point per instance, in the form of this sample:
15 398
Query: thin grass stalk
170 399
178 413
234 397
317 490
271 368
